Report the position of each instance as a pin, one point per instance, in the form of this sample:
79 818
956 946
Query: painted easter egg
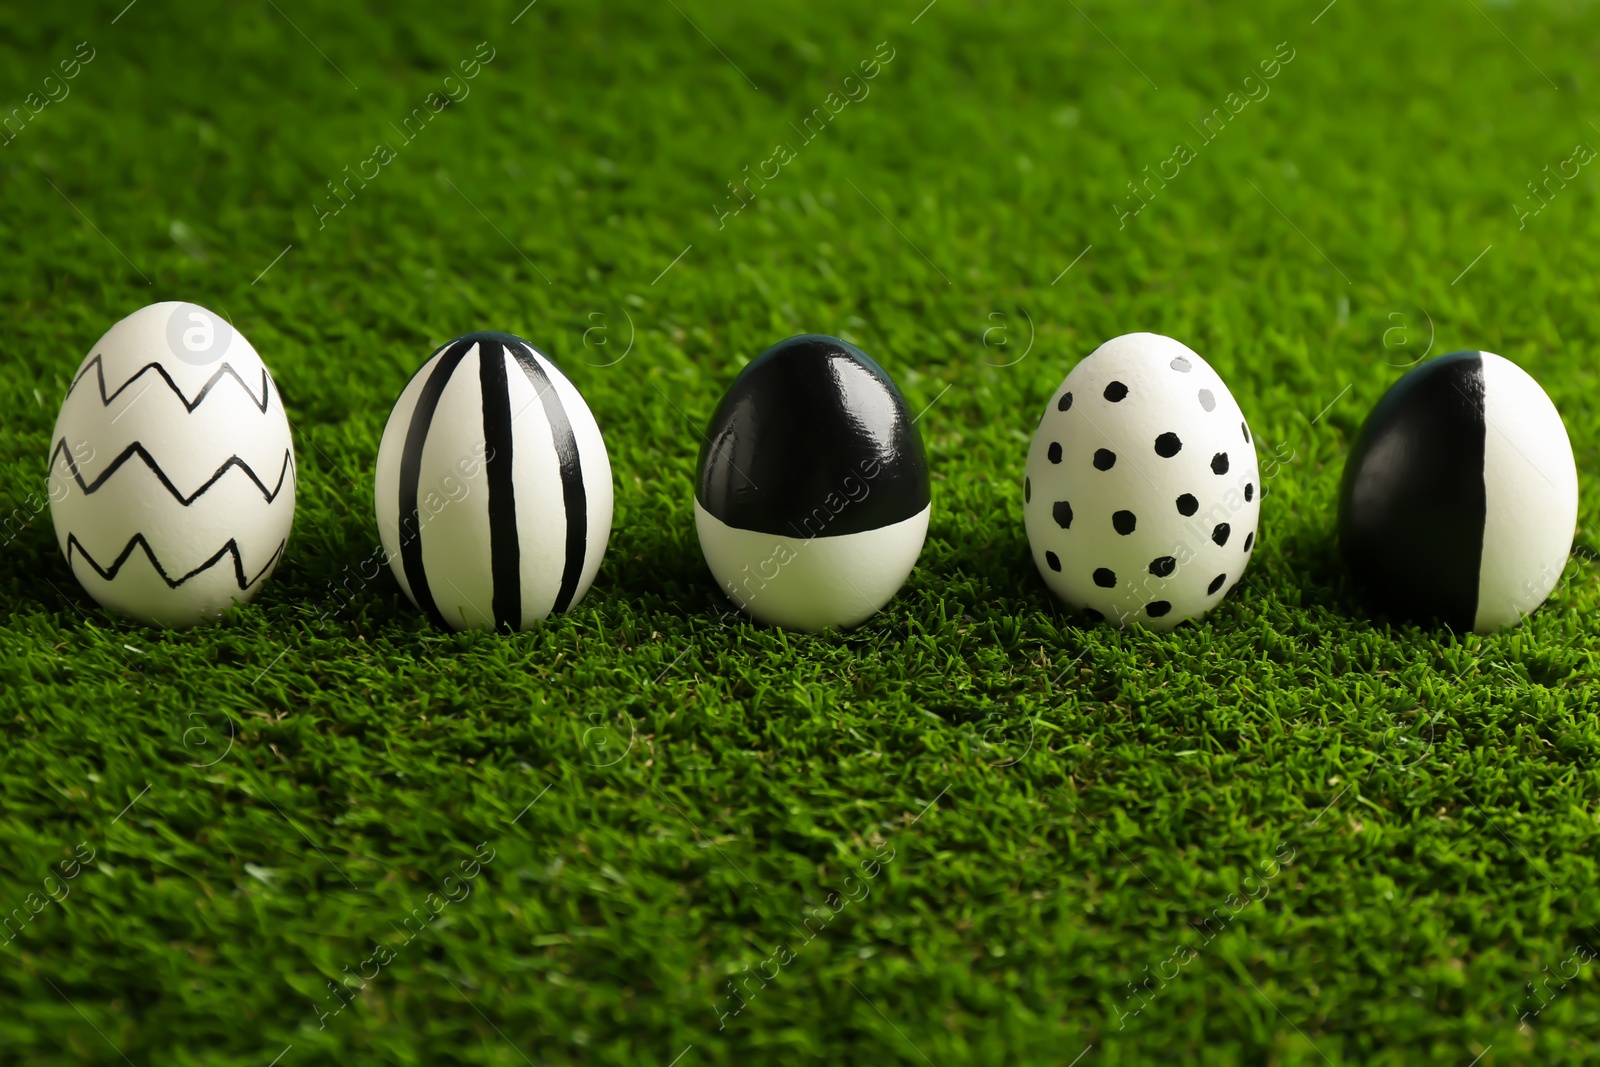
493 487
811 494
1460 497
1142 494
172 473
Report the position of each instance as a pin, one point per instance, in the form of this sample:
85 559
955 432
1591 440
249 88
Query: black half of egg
813 439
1412 503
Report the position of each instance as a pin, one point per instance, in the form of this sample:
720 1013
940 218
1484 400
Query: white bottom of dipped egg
811 583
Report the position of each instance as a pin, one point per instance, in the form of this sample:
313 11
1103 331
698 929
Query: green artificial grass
974 830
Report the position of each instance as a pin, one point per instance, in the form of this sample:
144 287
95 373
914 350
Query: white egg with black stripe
493 487
1460 496
1142 494
811 495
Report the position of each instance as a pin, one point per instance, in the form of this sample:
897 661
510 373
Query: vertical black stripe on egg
1413 501
505 557
574 496
521 494
411 475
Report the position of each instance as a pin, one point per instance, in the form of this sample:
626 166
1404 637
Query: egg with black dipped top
1460 496
1142 494
811 490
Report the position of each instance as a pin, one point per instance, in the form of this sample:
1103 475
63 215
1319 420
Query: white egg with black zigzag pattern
172 472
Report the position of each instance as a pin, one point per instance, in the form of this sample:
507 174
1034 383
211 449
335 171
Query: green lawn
974 830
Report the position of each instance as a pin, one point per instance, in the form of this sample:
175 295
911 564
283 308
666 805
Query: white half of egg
172 471
1530 494
811 583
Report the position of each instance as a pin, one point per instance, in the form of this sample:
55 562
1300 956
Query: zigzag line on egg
138 541
138 449
226 368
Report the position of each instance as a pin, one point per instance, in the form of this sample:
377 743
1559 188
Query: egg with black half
811 491
1460 496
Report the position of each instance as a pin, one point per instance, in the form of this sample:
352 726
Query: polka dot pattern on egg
1163 498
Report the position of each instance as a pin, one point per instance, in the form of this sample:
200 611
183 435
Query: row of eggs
173 484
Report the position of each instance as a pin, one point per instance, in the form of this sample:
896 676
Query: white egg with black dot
1142 493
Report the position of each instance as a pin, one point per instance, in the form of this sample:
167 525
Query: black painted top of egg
812 439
